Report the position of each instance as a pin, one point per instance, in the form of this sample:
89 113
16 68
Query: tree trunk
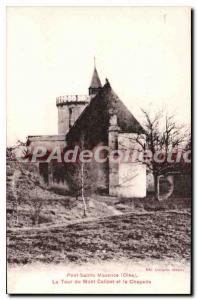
155 186
17 213
82 190
35 219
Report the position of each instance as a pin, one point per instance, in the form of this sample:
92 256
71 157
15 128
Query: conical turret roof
95 82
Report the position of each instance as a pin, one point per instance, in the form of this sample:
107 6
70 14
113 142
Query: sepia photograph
98 154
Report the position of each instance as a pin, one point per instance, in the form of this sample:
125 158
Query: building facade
99 119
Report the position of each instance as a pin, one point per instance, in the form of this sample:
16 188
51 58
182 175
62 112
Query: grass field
154 235
114 229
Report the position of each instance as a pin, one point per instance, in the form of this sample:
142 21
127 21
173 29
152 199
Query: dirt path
88 220
110 211
114 211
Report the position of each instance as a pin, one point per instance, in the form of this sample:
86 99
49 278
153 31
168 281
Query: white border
190 3
3 4
2 150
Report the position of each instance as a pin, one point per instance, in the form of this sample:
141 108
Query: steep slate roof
95 82
94 120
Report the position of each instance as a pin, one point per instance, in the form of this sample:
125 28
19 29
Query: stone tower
69 109
71 106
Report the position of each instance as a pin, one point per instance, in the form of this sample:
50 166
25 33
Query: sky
143 51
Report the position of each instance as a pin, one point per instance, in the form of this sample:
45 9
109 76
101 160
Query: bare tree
81 177
23 181
164 137
15 192
82 189
11 160
36 207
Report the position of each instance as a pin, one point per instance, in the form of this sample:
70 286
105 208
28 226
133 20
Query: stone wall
63 119
126 179
48 141
68 113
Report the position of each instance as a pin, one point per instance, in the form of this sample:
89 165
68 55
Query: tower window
70 117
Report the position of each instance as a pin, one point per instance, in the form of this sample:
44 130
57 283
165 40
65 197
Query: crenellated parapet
68 99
